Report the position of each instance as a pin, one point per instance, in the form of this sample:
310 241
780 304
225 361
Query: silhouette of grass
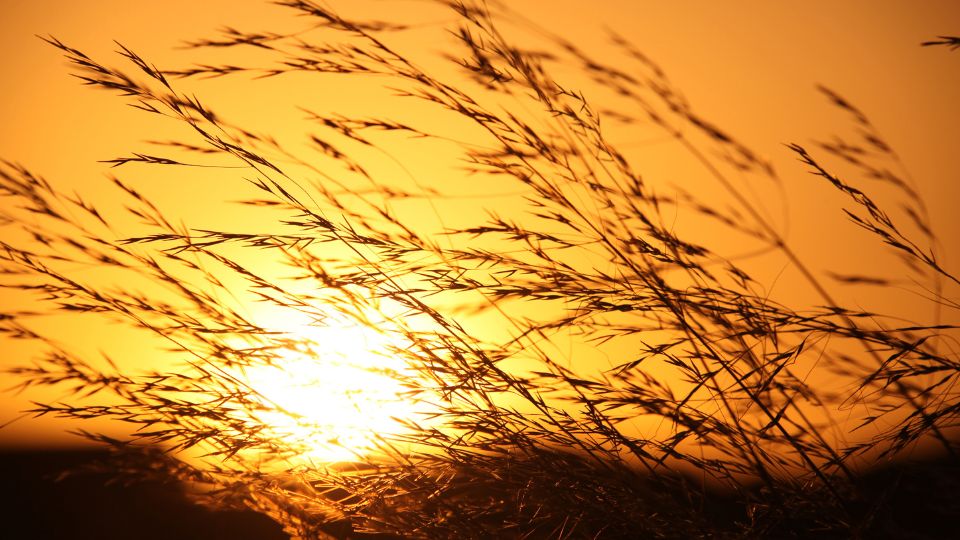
710 425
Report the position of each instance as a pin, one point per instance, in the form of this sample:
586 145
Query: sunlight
334 393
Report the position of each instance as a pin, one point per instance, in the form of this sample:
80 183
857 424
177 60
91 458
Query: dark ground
919 501
85 506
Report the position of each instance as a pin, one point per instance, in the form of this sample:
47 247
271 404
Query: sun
335 393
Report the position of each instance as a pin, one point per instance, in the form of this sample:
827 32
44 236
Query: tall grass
582 365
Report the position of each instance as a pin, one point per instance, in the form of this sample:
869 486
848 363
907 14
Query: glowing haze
329 393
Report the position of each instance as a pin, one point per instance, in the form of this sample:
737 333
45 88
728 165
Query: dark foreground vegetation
586 366
72 494
60 494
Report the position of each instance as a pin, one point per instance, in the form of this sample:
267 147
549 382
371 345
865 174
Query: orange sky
750 67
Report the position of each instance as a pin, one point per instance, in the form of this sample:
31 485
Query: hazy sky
750 67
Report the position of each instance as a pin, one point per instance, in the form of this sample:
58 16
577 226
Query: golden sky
750 67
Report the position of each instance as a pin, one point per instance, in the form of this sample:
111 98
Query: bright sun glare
335 394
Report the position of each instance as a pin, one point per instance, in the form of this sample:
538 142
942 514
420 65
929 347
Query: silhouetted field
55 495
51 494
589 354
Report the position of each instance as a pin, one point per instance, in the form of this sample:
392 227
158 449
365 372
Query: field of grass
511 332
